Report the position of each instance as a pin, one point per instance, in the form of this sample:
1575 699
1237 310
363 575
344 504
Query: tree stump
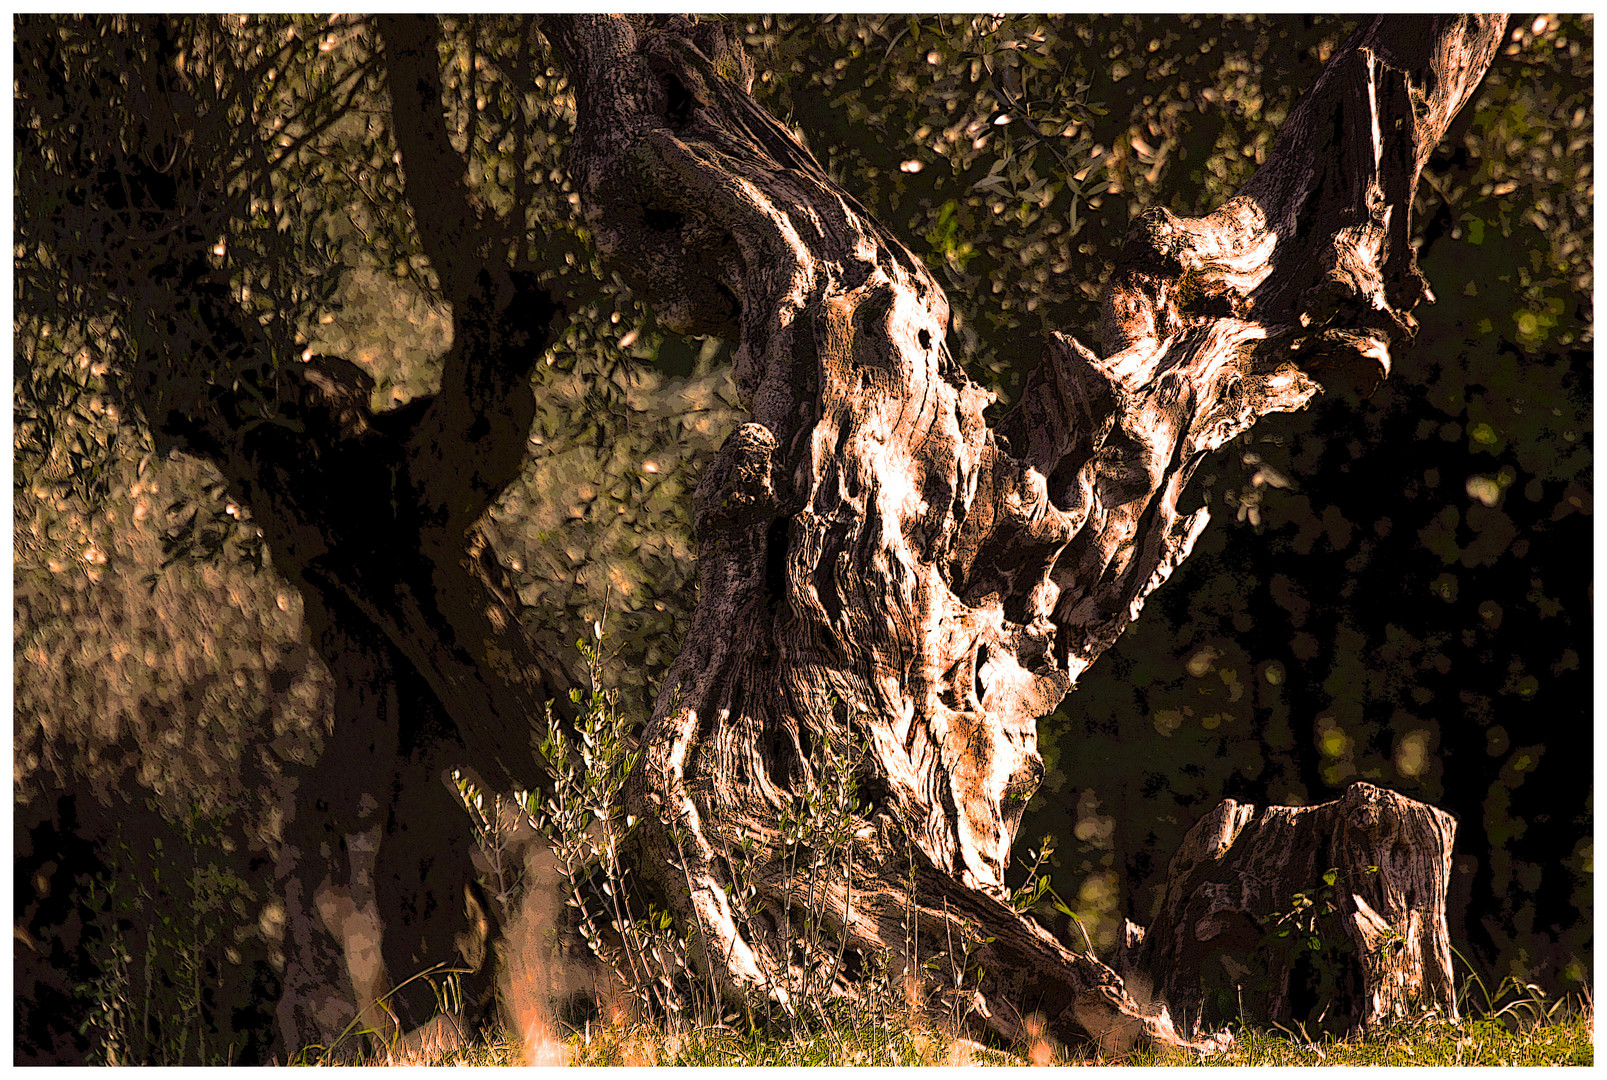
1329 916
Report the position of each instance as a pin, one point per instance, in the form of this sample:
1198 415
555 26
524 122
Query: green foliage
256 105
161 923
161 694
1390 591
172 715
600 518
1300 922
1037 893
1012 151
651 955
584 819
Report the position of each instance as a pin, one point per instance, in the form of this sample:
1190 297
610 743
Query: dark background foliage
1395 589
1400 591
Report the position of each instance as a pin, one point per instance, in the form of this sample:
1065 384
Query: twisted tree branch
906 578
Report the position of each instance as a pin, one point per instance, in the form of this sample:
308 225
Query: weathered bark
897 574
1330 915
877 565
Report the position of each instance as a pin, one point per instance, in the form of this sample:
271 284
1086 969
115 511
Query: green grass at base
1434 1043
1427 1042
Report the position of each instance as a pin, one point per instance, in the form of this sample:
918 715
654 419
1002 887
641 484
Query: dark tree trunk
908 580
1330 915
373 517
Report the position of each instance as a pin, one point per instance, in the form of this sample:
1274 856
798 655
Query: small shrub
646 954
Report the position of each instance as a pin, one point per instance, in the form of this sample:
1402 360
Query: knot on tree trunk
738 487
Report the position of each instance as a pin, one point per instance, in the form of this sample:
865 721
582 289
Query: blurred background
1394 589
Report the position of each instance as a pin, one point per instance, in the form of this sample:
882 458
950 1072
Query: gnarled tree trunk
879 565
1330 915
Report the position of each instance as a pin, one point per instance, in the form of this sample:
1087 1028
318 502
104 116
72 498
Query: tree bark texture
884 571
1330 915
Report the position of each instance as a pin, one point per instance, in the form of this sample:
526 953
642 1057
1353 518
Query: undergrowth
1561 1040
641 964
625 991
665 1014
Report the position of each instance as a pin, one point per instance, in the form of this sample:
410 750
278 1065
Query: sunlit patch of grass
1562 1039
502 1051
1476 1042
1442 1043
1517 1025
634 1044
726 1046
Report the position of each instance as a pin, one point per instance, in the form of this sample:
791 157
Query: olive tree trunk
372 517
885 572
375 518
1326 916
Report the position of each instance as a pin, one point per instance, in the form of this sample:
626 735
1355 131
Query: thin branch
435 175
335 113
523 71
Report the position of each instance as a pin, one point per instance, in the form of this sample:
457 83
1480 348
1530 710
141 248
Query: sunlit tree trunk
887 572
